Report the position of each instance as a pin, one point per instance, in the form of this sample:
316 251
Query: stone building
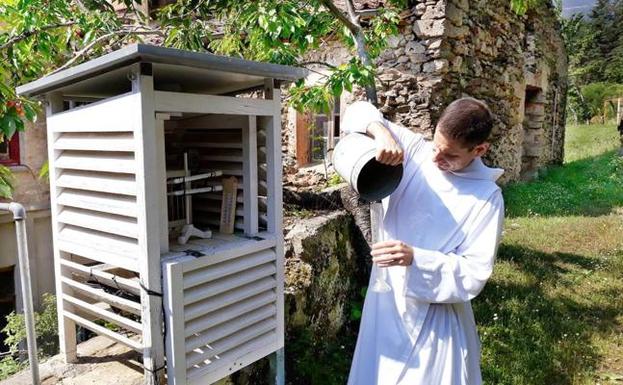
452 48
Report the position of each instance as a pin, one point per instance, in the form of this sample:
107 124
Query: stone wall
452 48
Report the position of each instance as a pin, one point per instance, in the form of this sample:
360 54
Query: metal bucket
354 160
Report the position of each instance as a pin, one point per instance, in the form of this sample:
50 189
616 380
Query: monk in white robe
442 226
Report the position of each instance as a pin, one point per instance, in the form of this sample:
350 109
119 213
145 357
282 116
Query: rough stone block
456 32
437 11
418 58
438 66
414 47
429 28
455 14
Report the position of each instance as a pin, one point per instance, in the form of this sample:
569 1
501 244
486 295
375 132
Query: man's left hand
392 253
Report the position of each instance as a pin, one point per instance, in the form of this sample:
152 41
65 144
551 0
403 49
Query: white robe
423 331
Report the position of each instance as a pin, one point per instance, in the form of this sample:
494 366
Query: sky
569 7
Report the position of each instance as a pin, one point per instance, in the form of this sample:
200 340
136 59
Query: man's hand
388 151
392 253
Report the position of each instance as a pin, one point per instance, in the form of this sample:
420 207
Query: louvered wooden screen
222 310
94 212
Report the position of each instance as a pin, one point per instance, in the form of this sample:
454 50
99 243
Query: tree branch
92 44
350 24
26 34
305 63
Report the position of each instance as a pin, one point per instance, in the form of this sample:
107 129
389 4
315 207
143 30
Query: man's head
461 134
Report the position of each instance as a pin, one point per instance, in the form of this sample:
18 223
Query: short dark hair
467 120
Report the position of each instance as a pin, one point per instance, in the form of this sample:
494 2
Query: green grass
553 311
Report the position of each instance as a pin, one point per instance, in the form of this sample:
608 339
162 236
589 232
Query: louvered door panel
221 313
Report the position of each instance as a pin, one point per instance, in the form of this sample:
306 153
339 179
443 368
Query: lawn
553 311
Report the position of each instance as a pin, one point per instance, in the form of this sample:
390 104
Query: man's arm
435 277
391 139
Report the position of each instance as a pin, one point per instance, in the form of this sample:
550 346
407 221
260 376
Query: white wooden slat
108 223
205 337
233 360
136 345
200 355
213 288
91 141
115 162
126 247
117 319
99 294
250 170
103 256
226 314
231 266
110 279
234 248
210 104
109 115
238 294
92 181
102 202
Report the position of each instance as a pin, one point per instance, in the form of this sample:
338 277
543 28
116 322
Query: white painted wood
232 265
250 182
233 360
123 246
71 246
101 202
103 331
275 199
175 339
91 181
233 341
210 104
115 162
213 288
109 223
66 327
108 115
101 141
235 295
111 280
225 315
151 192
225 329
104 314
101 295
161 167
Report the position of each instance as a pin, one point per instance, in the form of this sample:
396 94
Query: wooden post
250 172
66 326
150 193
275 215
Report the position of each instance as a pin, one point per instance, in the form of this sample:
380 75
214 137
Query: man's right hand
388 151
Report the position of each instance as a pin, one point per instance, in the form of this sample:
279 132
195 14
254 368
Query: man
441 226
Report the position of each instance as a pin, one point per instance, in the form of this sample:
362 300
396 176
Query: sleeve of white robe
436 277
360 114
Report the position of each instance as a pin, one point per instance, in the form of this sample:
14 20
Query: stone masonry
452 48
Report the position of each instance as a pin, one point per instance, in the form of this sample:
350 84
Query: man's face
451 155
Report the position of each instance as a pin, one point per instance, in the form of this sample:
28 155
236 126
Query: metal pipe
19 216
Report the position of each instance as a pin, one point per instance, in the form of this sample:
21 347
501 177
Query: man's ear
481 149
